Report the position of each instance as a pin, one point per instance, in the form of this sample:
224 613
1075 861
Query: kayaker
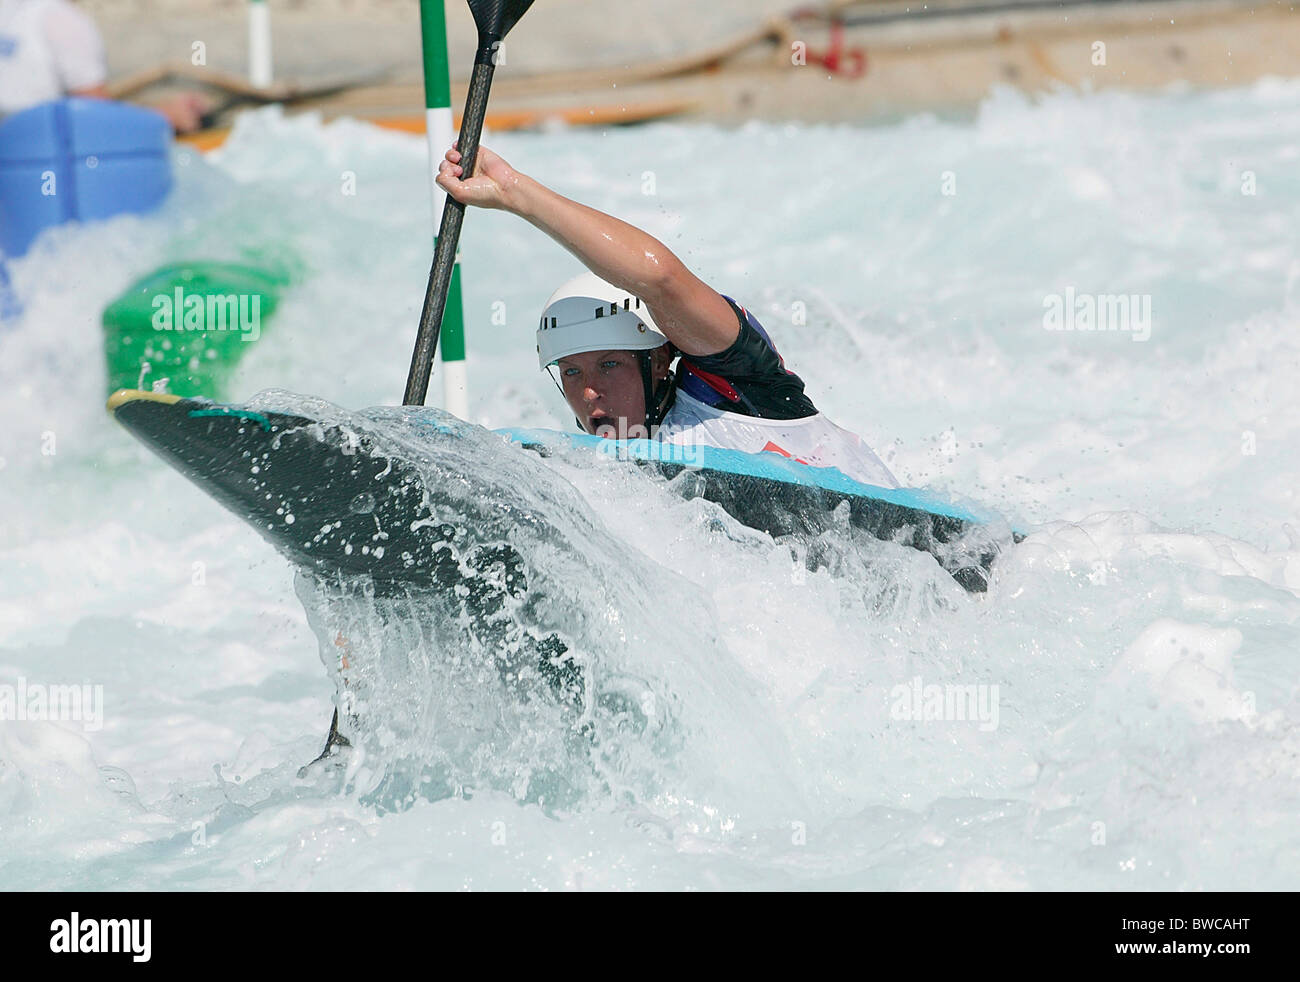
613 334
50 49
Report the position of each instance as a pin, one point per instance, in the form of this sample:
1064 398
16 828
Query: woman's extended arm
690 313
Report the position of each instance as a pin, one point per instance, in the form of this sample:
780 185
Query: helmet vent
588 313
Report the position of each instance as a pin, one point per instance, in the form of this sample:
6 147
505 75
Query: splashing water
537 660
1118 712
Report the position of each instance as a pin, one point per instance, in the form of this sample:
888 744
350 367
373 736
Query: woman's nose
589 394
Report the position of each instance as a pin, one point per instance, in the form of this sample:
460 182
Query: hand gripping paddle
494 19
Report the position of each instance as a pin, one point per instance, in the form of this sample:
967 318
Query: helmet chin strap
657 401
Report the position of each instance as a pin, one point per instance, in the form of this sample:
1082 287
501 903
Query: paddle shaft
444 256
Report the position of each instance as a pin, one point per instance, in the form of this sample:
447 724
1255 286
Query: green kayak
189 323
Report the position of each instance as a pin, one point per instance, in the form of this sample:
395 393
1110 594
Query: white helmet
589 314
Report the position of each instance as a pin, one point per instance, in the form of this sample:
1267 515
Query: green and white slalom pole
494 18
259 43
441 132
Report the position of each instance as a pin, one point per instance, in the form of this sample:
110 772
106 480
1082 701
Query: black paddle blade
495 17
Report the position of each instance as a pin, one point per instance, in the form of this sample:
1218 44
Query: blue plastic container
79 159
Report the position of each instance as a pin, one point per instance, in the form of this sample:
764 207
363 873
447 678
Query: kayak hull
332 501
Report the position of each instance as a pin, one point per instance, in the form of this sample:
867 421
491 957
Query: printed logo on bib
772 447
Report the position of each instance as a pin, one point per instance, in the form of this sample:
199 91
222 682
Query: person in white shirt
50 49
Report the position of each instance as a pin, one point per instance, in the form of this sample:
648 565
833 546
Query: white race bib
813 440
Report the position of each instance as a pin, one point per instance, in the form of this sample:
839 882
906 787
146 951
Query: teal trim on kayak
764 465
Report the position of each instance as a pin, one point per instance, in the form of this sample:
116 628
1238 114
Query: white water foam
1141 641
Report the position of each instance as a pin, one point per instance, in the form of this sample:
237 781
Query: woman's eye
570 372
609 364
